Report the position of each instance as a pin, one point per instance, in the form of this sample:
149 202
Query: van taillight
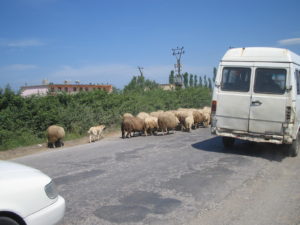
288 113
213 106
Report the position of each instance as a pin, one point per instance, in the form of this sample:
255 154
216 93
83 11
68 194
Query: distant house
167 87
57 88
34 90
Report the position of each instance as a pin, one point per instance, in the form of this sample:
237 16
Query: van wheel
293 149
228 142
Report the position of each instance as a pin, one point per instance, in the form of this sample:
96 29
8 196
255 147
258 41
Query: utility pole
141 70
177 52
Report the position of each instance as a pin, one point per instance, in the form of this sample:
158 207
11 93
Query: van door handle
256 103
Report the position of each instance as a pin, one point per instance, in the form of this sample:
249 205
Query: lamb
188 123
55 134
96 132
167 121
132 124
151 124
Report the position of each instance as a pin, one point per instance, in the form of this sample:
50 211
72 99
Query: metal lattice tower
178 53
141 70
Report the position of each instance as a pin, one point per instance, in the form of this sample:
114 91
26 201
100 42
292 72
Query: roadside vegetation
23 121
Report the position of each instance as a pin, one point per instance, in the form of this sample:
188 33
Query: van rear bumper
255 137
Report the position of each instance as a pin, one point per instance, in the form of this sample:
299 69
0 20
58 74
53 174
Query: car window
236 79
270 81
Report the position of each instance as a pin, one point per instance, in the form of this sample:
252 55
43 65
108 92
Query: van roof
261 54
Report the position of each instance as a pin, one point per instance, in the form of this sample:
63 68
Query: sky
104 41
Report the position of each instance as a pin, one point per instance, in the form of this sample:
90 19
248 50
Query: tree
191 80
200 81
195 80
205 81
8 90
215 74
140 84
209 83
171 77
186 79
140 80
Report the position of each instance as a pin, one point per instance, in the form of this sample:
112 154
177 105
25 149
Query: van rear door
234 98
268 101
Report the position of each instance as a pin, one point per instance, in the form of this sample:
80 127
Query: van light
213 106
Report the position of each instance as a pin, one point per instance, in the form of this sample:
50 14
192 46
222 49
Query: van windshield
236 79
270 81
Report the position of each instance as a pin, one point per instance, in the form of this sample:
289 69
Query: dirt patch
28 150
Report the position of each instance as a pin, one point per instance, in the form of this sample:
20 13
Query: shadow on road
267 151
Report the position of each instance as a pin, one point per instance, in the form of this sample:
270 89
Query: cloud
291 41
20 67
22 43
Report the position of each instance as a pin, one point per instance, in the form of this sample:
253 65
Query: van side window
236 79
270 81
297 76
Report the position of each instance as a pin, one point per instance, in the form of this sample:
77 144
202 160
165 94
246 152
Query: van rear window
236 79
270 81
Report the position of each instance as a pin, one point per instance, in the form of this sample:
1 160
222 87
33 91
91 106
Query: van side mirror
217 84
288 88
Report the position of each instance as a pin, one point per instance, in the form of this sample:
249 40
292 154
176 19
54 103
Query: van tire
228 142
293 148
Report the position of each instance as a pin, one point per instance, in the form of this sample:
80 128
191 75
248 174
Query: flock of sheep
148 123
143 123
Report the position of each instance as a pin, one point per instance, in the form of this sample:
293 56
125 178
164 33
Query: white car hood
7 169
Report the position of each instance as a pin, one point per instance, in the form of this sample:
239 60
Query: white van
257 97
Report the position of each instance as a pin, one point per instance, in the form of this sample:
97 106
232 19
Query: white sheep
96 132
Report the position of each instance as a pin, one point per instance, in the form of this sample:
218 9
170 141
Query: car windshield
236 79
270 81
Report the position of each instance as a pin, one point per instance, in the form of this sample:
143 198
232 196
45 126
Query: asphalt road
181 178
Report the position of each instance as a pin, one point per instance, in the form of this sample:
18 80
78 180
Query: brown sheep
167 121
132 124
127 115
55 134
